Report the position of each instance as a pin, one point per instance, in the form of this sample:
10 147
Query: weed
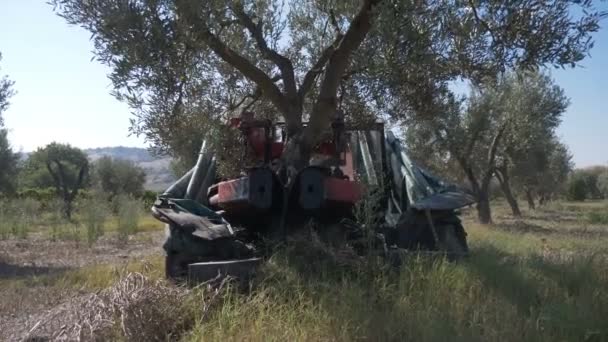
94 212
55 218
129 212
17 217
598 216
70 231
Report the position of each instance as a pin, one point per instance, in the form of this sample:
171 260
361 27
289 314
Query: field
541 278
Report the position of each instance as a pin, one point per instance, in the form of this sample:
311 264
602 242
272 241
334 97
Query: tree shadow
11 271
501 272
389 312
528 284
573 275
547 215
364 296
523 227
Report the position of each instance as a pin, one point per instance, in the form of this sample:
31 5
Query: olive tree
468 133
67 166
8 159
533 105
118 176
501 130
185 65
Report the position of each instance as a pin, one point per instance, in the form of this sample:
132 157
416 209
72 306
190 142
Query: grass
128 214
540 278
17 218
492 296
536 285
598 216
92 219
89 278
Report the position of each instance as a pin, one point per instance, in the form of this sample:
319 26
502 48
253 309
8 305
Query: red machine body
328 183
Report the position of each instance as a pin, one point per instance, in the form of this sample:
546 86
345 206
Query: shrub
598 216
20 216
39 194
55 218
577 189
94 212
148 198
129 211
5 220
70 231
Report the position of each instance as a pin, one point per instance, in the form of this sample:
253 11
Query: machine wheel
453 240
176 266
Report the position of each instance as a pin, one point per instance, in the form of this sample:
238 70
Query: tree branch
78 183
311 75
326 102
282 62
58 182
483 22
58 177
334 22
493 148
471 144
231 57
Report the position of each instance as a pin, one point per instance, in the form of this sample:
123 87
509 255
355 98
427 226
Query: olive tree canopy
184 65
67 166
8 159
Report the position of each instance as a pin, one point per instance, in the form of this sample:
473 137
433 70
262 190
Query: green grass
514 287
492 296
21 218
599 216
146 223
541 278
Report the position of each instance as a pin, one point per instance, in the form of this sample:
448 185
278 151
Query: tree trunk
296 155
530 199
484 212
505 185
67 208
542 200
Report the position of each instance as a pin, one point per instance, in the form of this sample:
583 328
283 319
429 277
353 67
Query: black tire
176 266
453 240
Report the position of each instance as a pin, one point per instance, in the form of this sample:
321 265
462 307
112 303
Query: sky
63 95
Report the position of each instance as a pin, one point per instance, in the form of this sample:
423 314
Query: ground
543 277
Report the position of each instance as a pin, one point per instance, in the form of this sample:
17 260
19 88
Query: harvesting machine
218 225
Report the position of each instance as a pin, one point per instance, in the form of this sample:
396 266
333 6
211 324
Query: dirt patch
28 297
38 254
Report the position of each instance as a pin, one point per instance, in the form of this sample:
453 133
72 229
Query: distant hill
158 171
134 154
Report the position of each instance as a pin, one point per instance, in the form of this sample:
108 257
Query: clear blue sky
64 96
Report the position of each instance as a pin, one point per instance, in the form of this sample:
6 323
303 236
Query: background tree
470 133
118 176
533 106
184 65
552 179
8 165
602 183
501 127
591 179
8 159
577 187
67 166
